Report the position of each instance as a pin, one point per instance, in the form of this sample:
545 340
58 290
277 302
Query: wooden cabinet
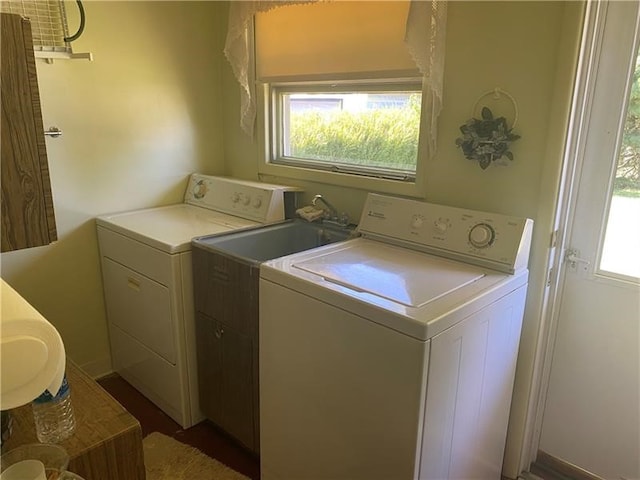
27 205
224 361
226 304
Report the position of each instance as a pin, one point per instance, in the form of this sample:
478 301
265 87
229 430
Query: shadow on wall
52 277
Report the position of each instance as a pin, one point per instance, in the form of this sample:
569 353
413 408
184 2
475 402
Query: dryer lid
403 276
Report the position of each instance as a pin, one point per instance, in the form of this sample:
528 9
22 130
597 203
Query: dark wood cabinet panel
209 357
226 289
227 377
237 380
226 304
28 218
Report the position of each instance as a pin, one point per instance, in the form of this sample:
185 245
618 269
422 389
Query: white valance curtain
333 40
424 38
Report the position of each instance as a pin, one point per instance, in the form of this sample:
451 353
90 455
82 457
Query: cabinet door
27 205
209 356
225 377
226 289
237 384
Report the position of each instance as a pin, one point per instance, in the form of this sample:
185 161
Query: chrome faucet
332 213
332 210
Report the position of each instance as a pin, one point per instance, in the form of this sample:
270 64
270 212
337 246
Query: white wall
136 121
528 49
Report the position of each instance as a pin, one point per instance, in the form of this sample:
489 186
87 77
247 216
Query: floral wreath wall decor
487 140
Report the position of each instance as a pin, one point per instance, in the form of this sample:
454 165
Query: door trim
590 48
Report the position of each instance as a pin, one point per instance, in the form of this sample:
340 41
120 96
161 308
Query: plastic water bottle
53 415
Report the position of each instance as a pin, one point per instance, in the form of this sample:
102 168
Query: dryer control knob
246 200
200 190
441 225
482 235
257 202
417 221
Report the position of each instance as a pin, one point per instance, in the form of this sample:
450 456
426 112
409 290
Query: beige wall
528 49
160 101
511 45
136 121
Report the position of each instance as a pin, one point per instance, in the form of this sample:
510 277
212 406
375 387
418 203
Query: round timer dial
200 190
481 235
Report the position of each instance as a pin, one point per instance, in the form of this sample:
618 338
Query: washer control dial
246 200
482 235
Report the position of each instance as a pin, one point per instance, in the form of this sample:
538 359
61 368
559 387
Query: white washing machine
392 356
147 275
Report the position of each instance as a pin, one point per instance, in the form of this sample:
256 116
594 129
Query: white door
591 415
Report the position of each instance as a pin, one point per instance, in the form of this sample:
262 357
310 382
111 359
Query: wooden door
27 205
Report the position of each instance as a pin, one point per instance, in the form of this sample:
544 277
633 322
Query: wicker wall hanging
486 140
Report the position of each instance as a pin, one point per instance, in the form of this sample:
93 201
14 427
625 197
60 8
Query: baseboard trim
97 368
547 466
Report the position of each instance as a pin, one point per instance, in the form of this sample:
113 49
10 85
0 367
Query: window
341 93
620 254
370 130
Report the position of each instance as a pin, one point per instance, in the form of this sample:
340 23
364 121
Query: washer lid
403 276
171 228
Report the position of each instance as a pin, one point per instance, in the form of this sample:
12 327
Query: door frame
569 182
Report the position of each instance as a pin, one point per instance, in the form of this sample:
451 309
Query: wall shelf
50 56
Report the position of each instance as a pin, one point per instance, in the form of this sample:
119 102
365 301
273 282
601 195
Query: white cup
25 470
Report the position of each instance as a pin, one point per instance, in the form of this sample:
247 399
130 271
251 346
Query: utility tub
226 272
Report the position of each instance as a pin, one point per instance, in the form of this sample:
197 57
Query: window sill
348 180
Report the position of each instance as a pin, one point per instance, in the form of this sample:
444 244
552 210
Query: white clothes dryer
148 286
392 355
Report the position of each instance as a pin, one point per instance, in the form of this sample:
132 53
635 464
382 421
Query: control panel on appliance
449 231
250 200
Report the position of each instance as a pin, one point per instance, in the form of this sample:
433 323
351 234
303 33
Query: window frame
272 163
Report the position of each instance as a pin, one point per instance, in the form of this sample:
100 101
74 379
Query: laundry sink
264 243
226 276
